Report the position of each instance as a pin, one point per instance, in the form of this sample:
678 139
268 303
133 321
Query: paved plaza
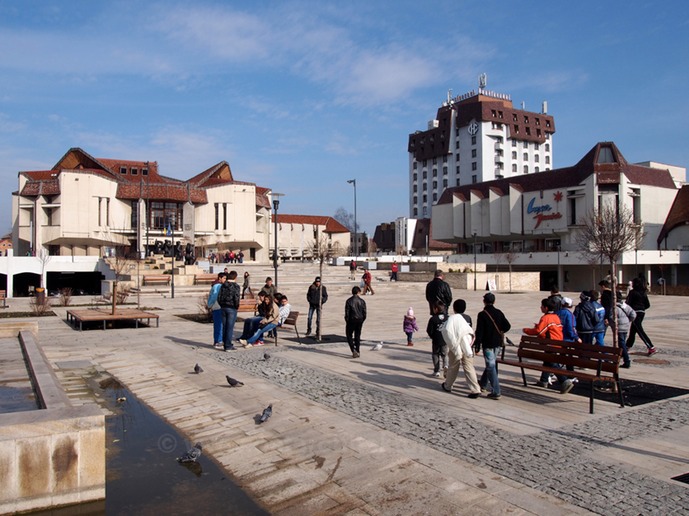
377 435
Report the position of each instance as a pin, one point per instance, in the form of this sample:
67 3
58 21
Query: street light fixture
276 203
474 261
356 236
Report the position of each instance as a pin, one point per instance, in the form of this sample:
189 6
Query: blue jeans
598 337
217 326
490 373
313 309
622 342
229 316
560 377
250 326
259 333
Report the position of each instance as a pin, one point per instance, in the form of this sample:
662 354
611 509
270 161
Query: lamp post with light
276 204
356 237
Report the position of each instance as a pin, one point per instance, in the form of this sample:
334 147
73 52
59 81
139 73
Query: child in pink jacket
409 325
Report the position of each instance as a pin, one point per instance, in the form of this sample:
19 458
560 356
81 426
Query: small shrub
65 296
39 306
204 309
467 269
122 295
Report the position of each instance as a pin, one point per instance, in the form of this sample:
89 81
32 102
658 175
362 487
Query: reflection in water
143 476
17 399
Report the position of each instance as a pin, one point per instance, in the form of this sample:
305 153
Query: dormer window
135 171
123 170
144 171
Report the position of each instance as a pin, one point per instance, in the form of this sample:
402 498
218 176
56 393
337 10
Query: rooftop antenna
523 105
449 97
482 81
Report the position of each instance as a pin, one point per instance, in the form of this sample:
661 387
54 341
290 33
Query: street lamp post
474 261
276 204
356 236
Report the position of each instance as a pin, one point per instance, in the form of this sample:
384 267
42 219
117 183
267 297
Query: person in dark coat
316 296
638 300
438 290
491 325
355 315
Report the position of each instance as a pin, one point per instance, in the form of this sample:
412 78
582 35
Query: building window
425 198
224 216
415 189
135 171
636 205
537 169
547 147
536 158
526 156
435 197
107 212
123 170
445 158
444 171
134 218
572 211
217 216
435 172
457 169
473 153
457 182
536 146
514 167
415 177
457 144
473 166
526 169
435 185
547 160
457 157
425 174
414 165
416 212
514 143
514 154
144 171
526 145
416 200
473 140
444 183
474 179
100 204
435 161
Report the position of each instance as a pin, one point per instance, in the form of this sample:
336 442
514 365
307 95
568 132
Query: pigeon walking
266 356
377 347
267 412
233 382
198 369
192 455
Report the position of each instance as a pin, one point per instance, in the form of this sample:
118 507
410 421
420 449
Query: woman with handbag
491 326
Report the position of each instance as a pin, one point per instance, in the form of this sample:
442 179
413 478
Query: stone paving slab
377 435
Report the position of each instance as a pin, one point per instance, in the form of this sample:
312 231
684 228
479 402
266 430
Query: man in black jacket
438 290
316 296
228 299
355 315
491 325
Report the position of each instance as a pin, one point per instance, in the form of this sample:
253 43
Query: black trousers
353 331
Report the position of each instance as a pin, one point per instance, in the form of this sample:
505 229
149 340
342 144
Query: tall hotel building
476 137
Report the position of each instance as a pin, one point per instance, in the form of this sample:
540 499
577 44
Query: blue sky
300 96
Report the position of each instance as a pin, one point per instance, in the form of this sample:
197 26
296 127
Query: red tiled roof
606 173
331 225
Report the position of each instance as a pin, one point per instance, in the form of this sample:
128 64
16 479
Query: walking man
355 315
438 290
316 296
491 326
228 299
393 271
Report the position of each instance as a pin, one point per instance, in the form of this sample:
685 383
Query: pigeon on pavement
233 382
267 412
198 369
266 356
192 455
377 347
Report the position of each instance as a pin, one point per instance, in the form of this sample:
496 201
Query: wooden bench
157 278
291 321
3 298
247 305
200 279
590 362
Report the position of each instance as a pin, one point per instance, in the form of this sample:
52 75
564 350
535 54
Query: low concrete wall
54 456
521 281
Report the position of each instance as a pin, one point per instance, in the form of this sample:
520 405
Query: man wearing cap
491 325
317 295
438 290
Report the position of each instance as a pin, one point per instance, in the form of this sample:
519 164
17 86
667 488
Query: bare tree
322 250
510 257
119 263
608 233
345 218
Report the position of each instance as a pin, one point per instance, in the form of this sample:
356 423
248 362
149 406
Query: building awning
96 239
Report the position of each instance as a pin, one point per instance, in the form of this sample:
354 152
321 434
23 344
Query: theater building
86 206
534 218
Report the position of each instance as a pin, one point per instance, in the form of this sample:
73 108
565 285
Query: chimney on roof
544 109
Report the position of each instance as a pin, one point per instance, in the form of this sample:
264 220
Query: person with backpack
550 327
228 299
586 317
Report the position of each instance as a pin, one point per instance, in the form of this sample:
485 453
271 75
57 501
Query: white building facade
476 137
535 218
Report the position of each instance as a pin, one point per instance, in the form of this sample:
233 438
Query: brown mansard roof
604 159
151 186
678 214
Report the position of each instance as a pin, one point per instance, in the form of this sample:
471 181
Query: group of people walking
454 339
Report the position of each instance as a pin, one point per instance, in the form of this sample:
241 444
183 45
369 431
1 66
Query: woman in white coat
459 338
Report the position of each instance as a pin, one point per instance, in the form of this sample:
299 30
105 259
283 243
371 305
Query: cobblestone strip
560 463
